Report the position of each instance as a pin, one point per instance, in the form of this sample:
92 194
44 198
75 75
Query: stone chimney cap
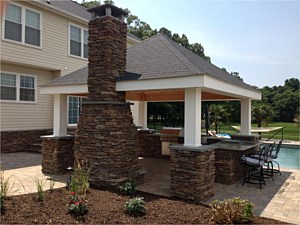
102 10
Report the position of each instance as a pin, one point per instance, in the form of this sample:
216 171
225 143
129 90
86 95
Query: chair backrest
275 152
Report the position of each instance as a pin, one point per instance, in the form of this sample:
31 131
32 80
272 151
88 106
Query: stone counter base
192 174
57 154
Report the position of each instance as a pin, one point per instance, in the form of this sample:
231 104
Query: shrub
77 205
233 210
128 188
135 206
6 186
40 184
80 179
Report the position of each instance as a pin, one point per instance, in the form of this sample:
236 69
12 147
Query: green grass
290 131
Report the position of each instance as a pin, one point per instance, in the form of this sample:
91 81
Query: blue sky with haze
258 39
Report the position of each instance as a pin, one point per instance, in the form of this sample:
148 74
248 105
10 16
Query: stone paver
279 199
23 168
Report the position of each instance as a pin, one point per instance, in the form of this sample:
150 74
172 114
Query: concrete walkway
23 168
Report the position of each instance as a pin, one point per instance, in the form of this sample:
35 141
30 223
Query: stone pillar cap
100 11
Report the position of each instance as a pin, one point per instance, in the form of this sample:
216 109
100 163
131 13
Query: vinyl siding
135 112
47 63
53 54
28 116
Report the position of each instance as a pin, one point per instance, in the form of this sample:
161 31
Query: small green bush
40 186
128 188
135 206
235 210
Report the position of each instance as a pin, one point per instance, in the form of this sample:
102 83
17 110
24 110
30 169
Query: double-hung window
17 87
74 109
78 38
22 25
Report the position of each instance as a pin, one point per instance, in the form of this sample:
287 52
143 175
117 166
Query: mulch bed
106 207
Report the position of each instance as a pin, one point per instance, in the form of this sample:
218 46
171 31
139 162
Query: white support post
192 117
60 118
246 116
143 114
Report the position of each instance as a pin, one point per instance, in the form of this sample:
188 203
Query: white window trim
18 86
23 23
82 29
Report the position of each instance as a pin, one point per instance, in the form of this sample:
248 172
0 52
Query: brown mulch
106 207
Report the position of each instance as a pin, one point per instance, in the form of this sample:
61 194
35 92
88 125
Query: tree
262 114
218 114
91 4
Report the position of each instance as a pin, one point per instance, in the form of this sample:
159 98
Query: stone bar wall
228 165
192 173
57 154
242 137
21 141
106 136
150 144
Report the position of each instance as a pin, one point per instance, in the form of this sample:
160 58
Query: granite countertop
236 145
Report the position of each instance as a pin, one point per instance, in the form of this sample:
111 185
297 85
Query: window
8 87
15 87
22 25
74 109
78 41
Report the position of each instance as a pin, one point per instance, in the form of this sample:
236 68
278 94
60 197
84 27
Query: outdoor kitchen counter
228 168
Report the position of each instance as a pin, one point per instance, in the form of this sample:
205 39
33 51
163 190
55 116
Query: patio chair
274 155
265 156
255 174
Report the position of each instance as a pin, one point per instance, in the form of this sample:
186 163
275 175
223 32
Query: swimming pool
289 157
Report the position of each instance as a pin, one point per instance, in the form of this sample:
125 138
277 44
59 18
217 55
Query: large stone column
106 136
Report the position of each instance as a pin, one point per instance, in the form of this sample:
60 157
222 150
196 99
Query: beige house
40 41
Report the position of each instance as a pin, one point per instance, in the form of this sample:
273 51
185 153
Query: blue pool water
289 157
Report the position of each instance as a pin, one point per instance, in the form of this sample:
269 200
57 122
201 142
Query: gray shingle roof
159 57
78 10
71 7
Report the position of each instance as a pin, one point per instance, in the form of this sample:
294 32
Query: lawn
290 131
106 207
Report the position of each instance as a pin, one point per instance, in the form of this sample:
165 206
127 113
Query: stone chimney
106 136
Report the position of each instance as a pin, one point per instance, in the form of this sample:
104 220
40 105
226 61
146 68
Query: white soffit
202 81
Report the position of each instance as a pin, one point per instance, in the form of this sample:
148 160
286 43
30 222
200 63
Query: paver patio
279 199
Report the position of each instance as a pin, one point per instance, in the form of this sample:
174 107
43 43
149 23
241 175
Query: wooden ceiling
171 95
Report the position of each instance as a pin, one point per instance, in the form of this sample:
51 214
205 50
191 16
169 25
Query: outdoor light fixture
70 170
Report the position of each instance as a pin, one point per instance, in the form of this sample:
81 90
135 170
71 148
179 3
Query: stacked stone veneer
150 144
106 136
58 154
228 165
21 141
192 174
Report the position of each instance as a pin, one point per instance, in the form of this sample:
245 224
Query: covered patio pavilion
159 69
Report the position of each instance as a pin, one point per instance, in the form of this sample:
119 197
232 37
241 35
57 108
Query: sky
259 39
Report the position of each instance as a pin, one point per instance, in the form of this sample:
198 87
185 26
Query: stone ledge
51 137
203 148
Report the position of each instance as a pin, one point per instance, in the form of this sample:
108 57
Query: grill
169 135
